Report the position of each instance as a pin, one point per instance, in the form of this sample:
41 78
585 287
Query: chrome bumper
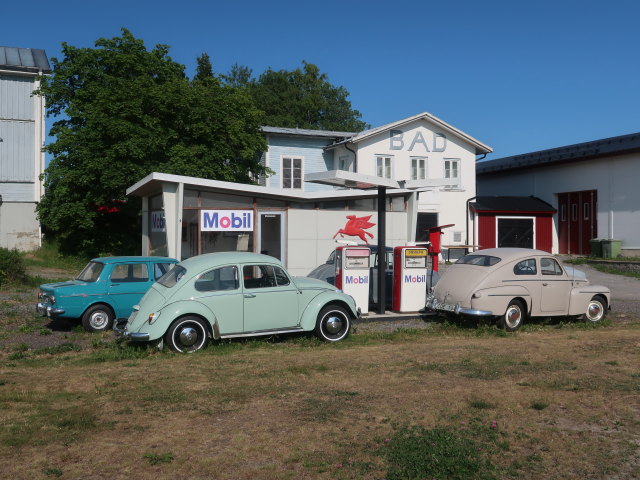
48 310
121 332
433 305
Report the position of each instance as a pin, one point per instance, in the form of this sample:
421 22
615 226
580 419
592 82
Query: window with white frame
418 168
292 172
452 168
383 166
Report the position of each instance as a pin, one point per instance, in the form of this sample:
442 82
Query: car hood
312 283
458 283
49 287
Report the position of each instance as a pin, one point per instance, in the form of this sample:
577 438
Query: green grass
49 256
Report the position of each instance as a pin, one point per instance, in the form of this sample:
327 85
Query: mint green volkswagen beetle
235 294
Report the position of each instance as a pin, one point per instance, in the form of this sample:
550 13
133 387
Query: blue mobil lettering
356 279
415 279
227 220
158 223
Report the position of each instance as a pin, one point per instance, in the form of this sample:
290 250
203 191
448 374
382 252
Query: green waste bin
611 248
596 247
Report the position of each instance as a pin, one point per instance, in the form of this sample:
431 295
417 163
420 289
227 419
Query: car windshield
480 260
91 272
172 277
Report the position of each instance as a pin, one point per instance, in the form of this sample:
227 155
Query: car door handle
249 295
544 284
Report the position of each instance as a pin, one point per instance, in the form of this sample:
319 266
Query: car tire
514 316
333 324
596 310
187 335
98 318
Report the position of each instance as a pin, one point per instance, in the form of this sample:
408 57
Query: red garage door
577 223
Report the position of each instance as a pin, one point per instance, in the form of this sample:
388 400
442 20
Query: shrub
12 268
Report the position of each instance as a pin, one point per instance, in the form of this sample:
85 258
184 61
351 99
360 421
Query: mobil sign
226 220
158 223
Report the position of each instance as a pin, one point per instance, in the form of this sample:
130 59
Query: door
271 234
556 288
127 284
270 298
577 221
220 291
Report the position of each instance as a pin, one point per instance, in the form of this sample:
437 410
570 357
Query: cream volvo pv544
512 284
235 294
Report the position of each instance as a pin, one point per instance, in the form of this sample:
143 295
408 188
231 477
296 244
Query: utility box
596 247
611 248
409 279
353 274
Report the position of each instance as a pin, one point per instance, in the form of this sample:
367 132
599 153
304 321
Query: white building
22 135
427 165
592 185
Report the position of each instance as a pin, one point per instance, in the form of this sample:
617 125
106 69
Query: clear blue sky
518 76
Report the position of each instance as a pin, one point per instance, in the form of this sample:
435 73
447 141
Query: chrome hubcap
594 312
513 316
99 320
188 336
333 325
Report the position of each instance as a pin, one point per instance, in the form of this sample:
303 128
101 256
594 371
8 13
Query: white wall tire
596 310
513 316
333 324
187 335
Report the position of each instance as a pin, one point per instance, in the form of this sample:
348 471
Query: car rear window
172 277
480 260
91 272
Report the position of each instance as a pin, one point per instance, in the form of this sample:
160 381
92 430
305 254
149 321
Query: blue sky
518 76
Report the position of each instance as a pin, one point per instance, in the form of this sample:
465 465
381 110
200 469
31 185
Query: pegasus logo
356 227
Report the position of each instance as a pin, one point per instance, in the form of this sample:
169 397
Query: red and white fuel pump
353 272
409 278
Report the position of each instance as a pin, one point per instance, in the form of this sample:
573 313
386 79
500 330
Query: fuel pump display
410 279
352 274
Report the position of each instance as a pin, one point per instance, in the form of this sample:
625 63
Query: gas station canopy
345 179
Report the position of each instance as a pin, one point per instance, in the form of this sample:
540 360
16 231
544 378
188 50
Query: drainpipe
467 215
355 157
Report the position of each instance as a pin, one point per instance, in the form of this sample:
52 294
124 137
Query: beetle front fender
310 314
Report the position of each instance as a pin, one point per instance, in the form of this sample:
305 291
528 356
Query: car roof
133 258
224 258
508 254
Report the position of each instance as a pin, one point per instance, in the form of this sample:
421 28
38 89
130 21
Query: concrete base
19 227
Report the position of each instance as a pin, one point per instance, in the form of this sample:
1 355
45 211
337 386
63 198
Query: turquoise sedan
235 294
106 289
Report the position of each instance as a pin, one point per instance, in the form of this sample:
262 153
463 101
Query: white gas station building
322 180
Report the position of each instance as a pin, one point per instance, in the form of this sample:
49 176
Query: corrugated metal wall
17 131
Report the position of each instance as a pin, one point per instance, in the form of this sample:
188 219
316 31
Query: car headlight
52 299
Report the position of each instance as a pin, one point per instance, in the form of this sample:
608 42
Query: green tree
123 112
301 98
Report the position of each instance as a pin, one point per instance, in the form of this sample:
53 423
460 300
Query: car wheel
333 323
514 316
596 309
187 335
98 318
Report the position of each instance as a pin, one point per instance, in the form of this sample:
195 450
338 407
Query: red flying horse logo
356 227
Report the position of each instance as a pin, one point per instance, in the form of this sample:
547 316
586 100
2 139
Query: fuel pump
434 249
410 278
353 272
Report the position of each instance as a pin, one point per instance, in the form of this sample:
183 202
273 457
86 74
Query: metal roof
306 132
24 60
569 153
497 204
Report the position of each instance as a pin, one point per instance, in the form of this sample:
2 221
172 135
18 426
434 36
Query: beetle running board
259 333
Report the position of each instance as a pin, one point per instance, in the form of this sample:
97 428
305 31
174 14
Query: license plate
446 307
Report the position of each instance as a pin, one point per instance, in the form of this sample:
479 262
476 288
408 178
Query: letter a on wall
356 227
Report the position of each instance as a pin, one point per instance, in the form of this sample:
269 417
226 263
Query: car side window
218 279
130 272
526 267
159 269
258 276
281 278
549 266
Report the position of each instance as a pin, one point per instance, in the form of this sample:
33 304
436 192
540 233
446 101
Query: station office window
451 168
383 167
345 162
418 168
292 172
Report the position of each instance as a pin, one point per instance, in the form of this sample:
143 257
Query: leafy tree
123 112
301 98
